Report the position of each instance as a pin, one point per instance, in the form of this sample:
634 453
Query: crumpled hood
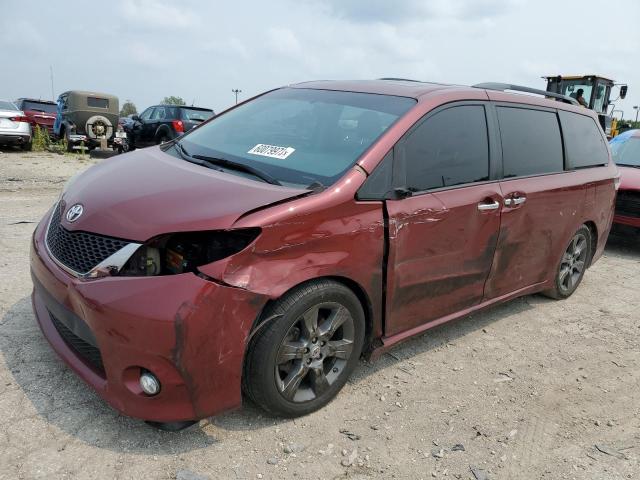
629 178
147 192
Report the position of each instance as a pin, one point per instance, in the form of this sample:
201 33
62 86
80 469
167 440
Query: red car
626 153
267 250
39 112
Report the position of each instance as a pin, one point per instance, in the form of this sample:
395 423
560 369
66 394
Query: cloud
283 41
385 11
145 55
157 14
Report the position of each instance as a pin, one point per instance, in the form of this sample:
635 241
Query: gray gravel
533 389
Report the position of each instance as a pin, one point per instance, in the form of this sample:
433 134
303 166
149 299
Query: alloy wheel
573 263
314 352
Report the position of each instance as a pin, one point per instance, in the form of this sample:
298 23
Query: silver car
15 128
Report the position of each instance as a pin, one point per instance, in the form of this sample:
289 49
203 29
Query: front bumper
625 220
190 332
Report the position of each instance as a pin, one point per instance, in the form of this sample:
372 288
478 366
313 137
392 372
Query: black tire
320 364
162 137
573 264
27 146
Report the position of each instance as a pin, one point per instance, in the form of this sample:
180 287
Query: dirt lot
523 391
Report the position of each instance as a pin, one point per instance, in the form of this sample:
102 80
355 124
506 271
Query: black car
162 123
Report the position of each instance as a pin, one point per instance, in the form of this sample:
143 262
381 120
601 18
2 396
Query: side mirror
135 118
623 91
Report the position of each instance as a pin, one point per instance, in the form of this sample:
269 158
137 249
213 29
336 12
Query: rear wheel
162 137
27 146
573 264
300 360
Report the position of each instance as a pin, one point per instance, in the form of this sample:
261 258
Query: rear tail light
20 118
178 126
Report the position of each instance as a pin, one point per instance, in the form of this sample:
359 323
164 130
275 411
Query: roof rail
401 79
501 87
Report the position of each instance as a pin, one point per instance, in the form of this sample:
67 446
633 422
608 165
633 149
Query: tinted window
449 148
196 115
146 115
39 106
531 142
299 136
585 145
96 102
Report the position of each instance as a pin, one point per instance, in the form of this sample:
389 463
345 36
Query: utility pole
637 109
236 91
53 96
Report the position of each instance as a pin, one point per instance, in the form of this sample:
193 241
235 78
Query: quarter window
449 148
531 142
583 137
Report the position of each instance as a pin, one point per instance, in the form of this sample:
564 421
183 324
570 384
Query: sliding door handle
483 206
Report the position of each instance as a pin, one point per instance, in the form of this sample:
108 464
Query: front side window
449 148
586 146
146 115
299 136
531 142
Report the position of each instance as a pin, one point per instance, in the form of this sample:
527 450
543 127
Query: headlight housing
184 252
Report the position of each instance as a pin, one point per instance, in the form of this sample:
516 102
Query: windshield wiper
316 186
212 162
241 167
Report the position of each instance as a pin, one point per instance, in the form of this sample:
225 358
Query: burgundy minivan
267 250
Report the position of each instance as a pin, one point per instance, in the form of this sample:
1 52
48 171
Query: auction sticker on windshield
272 151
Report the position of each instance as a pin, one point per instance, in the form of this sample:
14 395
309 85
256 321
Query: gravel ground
531 389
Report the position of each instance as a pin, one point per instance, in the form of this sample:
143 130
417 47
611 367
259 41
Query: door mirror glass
623 91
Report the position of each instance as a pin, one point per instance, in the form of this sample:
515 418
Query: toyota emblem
74 213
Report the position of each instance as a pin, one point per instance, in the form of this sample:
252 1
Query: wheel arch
357 289
594 237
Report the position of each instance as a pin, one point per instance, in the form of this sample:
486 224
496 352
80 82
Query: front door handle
488 206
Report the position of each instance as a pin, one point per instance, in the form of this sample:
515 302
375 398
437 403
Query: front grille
79 251
628 204
86 351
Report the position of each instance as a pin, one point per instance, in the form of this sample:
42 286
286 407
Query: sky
144 50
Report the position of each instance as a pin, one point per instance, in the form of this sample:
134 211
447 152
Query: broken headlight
185 252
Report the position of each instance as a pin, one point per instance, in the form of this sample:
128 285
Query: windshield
299 136
7 105
571 87
196 115
627 152
39 106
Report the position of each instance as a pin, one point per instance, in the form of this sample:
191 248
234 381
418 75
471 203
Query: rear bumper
190 332
14 139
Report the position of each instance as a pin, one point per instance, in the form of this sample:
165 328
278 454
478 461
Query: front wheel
303 356
572 265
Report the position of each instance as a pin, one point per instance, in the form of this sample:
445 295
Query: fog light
149 383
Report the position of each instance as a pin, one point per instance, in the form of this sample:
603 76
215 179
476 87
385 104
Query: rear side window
449 148
96 102
585 145
531 142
